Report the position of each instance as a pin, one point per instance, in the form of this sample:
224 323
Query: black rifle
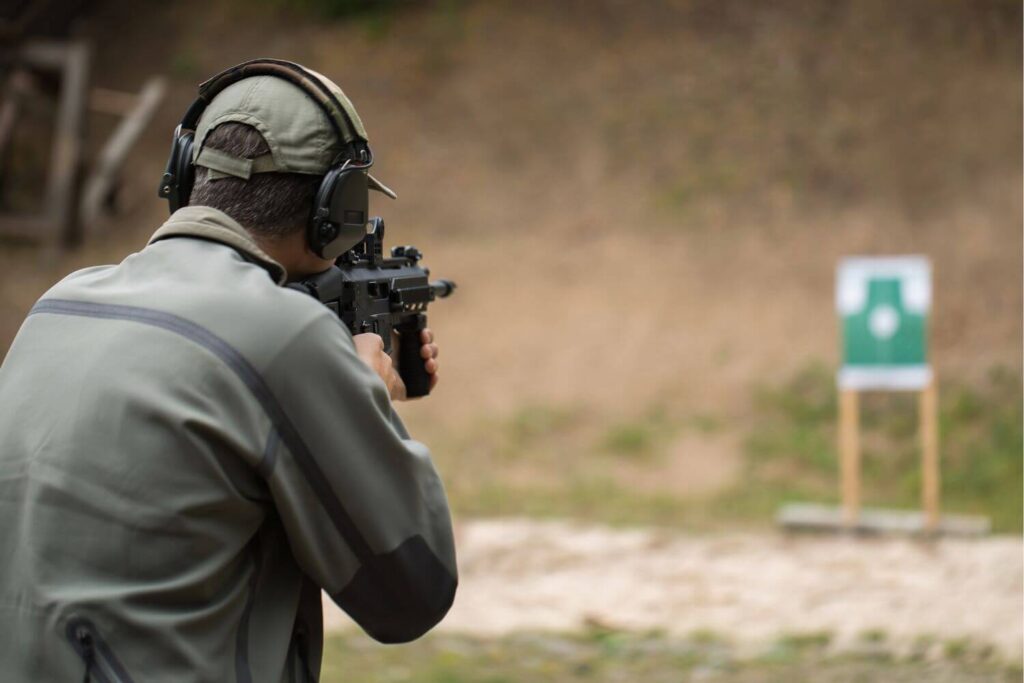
371 293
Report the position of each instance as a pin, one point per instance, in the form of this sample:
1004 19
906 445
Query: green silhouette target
883 306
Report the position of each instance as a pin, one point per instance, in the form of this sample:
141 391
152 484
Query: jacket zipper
101 665
88 652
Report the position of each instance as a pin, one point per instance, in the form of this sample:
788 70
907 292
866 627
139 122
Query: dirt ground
523 575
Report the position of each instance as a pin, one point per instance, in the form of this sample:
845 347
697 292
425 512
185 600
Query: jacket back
189 453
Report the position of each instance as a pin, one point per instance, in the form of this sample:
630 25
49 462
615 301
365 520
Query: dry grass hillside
643 204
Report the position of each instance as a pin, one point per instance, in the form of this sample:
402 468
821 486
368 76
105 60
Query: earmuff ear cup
340 212
186 170
179 176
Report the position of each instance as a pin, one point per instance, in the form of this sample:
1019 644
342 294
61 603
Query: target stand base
812 517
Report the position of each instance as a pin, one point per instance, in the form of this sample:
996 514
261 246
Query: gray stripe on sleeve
269 459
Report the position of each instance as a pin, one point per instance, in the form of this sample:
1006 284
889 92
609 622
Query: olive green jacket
189 452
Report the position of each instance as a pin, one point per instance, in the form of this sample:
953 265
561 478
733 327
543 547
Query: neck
293 252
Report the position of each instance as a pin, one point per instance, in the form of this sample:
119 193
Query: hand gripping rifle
371 293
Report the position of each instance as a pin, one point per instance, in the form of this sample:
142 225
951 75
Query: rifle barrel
442 288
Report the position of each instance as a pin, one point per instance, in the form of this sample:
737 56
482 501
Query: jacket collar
212 224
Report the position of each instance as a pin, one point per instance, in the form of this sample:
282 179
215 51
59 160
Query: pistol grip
411 366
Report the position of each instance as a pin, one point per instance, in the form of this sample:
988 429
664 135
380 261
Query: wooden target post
931 481
849 456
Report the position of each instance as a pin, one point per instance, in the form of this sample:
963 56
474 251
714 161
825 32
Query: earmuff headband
289 71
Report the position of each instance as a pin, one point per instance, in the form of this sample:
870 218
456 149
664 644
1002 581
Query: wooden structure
76 194
58 220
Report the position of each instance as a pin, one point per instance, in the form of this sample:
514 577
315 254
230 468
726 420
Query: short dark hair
268 204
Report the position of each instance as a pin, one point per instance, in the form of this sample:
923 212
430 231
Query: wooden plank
831 519
59 216
103 179
25 228
849 455
115 102
66 161
47 54
930 482
18 84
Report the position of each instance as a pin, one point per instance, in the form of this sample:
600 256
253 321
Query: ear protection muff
176 183
340 210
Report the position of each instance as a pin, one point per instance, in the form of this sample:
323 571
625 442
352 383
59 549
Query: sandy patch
530 575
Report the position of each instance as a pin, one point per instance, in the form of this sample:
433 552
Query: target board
883 305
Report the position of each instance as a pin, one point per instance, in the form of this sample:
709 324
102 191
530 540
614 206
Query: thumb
396 387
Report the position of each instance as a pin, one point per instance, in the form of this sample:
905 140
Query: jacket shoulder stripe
269 459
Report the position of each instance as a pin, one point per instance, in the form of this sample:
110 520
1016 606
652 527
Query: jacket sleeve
363 507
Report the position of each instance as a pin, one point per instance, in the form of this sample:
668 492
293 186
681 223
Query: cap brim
380 187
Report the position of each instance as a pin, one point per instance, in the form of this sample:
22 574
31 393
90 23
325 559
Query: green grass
558 461
603 655
629 439
792 448
793 648
565 461
644 436
589 498
533 424
874 635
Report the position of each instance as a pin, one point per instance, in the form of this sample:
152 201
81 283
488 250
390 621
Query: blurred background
644 204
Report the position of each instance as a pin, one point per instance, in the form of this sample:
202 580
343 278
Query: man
190 452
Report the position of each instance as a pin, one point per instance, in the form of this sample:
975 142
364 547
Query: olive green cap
301 137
